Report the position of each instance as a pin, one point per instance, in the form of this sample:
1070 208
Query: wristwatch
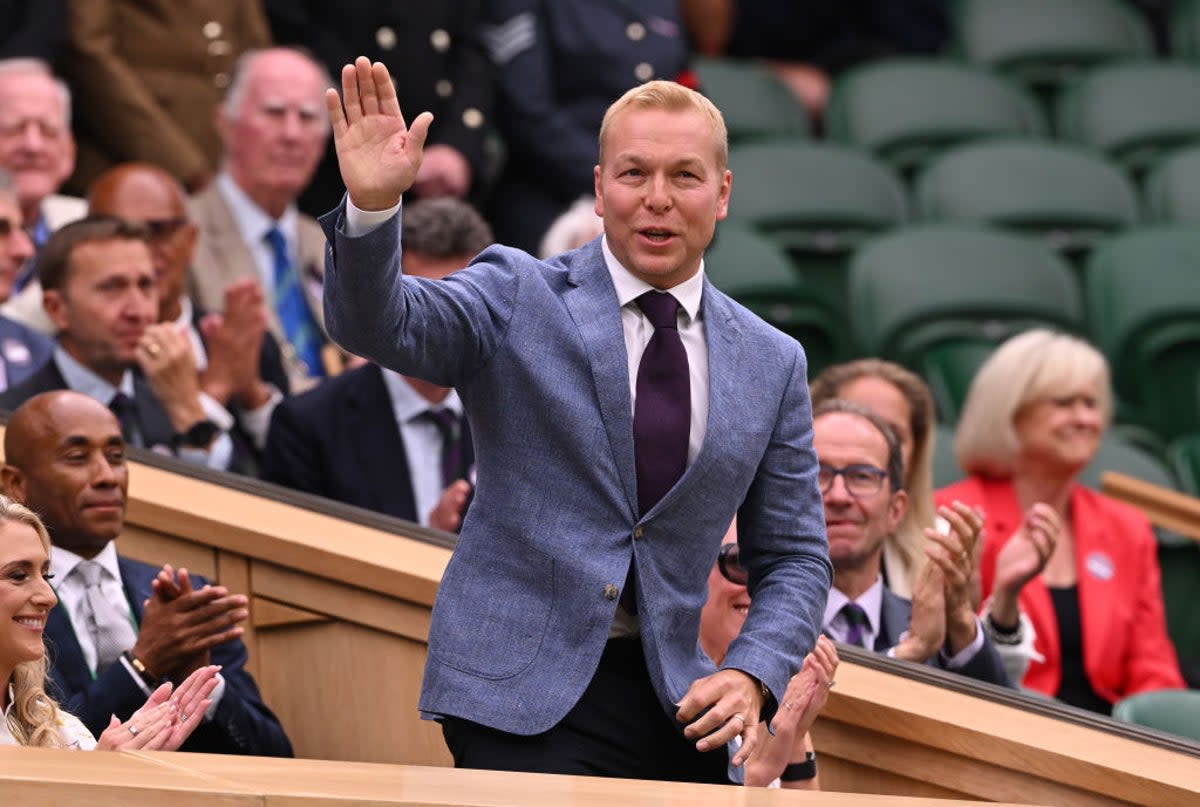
199 435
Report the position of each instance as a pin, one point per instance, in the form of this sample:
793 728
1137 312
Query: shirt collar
81 379
64 561
688 293
252 221
871 601
409 404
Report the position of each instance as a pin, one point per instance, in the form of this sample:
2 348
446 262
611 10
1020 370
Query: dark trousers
618 728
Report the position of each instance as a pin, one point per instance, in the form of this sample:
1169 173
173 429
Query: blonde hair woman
31 717
1082 566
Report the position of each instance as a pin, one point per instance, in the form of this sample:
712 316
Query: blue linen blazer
242 723
537 353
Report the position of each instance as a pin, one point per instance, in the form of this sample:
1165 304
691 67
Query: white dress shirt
253 223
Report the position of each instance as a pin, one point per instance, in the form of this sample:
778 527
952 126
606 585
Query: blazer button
611 592
638 532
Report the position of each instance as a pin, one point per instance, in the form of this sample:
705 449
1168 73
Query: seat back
752 101
1172 711
753 270
908 110
1172 188
1143 301
1048 42
1061 193
945 464
1135 112
916 288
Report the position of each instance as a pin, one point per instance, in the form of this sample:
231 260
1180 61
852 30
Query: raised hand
378 155
166 357
927 628
233 340
177 634
955 553
1022 558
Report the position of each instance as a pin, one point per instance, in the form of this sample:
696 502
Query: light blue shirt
422 440
253 223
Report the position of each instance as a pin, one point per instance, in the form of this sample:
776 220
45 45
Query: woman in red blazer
1081 566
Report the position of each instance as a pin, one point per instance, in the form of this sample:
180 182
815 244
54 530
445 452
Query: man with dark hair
241 372
122 627
861 473
99 290
377 439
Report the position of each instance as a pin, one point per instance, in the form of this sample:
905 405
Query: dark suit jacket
895 616
242 723
23 350
340 440
152 421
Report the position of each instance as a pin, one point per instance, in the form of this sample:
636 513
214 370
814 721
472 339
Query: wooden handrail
1165 508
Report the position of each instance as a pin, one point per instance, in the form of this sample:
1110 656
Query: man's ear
12 479
897 508
55 305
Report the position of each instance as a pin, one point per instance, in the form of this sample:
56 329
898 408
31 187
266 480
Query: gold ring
739 717
152 349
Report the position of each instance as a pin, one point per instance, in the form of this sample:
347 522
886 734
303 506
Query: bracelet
800 771
1007 636
140 668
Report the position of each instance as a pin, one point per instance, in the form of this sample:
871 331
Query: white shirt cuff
964 656
360 222
256 422
217 693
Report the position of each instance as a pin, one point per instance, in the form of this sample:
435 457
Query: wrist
800 771
1004 609
182 416
147 677
960 632
254 395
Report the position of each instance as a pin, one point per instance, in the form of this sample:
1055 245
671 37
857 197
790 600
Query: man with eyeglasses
860 475
273 128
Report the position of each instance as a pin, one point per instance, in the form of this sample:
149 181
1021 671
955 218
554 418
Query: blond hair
909 538
35 718
671 97
1033 365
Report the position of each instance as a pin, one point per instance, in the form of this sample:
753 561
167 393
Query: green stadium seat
754 271
1136 112
923 287
1143 300
948 369
1185 30
1116 454
753 102
1169 710
1184 456
1172 188
1061 193
908 110
1045 43
818 201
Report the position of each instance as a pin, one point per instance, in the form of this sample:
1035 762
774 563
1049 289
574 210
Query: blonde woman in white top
31 717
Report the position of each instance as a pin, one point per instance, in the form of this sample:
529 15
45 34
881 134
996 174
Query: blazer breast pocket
493 608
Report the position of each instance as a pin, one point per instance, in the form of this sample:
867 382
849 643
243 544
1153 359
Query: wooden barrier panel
1168 509
340 615
68 778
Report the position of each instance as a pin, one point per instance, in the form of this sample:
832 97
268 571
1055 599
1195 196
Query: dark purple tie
857 624
662 413
450 428
662 416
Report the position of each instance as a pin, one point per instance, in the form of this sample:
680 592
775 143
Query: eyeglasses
162 229
730 566
861 480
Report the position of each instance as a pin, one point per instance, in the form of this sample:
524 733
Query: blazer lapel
592 304
379 446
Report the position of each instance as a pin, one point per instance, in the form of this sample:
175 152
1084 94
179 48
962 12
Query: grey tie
109 626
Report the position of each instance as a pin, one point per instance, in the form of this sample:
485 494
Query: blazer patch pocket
493 610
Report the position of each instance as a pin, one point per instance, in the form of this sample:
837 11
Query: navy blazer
894 618
152 420
340 440
536 351
242 723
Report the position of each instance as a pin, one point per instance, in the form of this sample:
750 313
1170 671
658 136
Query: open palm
377 153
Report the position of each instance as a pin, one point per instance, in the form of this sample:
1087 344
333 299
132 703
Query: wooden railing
339 622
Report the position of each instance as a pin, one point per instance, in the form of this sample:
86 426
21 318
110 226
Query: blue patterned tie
298 324
856 619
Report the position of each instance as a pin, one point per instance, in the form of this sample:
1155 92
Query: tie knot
121 404
855 615
444 419
90 572
660 308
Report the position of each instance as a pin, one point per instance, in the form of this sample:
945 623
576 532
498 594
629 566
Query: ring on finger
739 717
153 350
134 730
183 718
